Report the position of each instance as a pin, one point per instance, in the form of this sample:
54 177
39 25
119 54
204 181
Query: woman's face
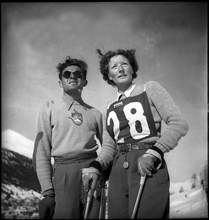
120 71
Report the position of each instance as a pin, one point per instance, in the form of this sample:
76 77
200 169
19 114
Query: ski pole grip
142 179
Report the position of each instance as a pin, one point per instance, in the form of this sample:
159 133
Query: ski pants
69 194
124 186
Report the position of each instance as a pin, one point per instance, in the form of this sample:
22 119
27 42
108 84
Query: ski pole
142 181
88 200
102 200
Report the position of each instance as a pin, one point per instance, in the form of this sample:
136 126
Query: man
66 131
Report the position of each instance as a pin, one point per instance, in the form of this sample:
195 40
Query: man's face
72 78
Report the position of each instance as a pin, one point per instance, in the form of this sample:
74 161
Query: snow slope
16 142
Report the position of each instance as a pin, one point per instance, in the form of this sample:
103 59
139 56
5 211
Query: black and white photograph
104 110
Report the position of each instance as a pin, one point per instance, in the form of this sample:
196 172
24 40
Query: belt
82 158
126 147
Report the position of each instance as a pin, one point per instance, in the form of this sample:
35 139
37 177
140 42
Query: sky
170 39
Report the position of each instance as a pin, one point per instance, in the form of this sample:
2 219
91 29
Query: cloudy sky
171 47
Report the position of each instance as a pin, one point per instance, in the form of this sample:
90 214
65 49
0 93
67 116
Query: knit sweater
163 109
66 129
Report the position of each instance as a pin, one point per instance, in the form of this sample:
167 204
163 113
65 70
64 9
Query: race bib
130 119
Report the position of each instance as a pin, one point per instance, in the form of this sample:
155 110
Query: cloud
149 15
43 10
171 16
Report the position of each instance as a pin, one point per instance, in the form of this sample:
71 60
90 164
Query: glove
46 207
90 177
146 164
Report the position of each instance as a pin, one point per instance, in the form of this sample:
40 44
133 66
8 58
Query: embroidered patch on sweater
76 117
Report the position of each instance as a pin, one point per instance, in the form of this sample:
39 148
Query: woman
133 142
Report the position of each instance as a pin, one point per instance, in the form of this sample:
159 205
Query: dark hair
105 59
69 62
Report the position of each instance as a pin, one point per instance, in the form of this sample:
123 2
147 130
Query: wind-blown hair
105 59
69 62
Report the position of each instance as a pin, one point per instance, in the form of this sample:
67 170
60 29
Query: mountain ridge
20 186
16 142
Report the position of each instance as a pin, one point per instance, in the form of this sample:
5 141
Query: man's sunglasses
76 74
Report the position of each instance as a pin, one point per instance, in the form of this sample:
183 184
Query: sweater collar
70 101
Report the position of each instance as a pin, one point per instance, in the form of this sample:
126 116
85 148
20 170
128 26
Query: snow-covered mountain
20 187
17 166
16 142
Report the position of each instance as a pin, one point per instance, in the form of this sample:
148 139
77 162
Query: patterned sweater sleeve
176 126
42 149
99 132
108 150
